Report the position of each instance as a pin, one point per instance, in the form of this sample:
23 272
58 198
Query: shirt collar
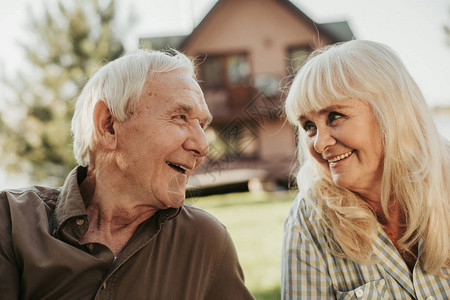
70 203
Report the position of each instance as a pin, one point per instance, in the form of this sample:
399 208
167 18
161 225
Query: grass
255 223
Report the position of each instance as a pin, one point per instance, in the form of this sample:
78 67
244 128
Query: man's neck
113 214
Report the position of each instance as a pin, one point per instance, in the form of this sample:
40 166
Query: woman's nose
323 140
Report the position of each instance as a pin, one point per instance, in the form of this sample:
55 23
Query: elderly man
118 228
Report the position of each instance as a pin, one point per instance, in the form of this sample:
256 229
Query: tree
72 39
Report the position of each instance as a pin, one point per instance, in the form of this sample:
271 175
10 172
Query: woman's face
345 139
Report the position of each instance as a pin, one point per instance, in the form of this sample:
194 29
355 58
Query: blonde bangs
323 80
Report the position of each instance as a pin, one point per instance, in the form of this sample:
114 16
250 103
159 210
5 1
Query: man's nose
197 142
323 139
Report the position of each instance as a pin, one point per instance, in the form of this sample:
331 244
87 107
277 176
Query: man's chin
175 199
176 191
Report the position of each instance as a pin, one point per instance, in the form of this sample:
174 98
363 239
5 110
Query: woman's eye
309 127
333 116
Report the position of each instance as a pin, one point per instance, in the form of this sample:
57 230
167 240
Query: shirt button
359 292
90 247
80 222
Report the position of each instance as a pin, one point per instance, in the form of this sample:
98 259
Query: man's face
163 141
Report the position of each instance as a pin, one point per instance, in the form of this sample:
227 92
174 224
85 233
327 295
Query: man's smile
178 167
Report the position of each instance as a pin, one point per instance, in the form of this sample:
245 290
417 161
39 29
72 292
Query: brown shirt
176 254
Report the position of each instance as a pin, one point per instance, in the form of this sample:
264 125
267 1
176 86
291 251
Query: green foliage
71 39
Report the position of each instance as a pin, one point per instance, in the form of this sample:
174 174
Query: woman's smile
340 157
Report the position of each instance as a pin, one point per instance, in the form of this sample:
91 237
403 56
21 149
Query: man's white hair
119 84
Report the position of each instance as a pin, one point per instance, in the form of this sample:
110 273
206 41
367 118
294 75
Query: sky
414 28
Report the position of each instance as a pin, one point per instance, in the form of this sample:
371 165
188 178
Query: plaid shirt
310 271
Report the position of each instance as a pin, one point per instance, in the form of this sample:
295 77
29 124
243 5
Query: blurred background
247 52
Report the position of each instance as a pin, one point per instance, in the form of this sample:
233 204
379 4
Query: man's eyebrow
187 109
182 108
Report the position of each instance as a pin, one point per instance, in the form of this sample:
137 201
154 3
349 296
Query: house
246 50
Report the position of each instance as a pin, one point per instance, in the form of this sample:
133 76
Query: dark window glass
212 72
225 71
238 69
233 140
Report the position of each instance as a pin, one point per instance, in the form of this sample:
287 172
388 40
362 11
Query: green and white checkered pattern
311 271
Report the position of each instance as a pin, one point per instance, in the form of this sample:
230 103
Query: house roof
340 30
335 31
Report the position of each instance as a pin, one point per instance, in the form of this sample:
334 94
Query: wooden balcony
226 104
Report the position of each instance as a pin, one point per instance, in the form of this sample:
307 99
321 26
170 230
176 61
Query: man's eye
333 116
182 117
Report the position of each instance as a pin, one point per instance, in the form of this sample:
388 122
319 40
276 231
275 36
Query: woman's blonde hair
416 166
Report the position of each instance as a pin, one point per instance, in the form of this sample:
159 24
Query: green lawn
255 222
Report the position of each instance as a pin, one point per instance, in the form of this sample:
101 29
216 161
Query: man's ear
104 126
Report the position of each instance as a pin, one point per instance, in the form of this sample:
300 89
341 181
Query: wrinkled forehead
175 91
181 75
174 84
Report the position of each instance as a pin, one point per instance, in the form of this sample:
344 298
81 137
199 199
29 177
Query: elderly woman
372 218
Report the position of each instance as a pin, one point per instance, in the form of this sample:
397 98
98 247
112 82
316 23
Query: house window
236 139
298 57
212 73
238 69
225 71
